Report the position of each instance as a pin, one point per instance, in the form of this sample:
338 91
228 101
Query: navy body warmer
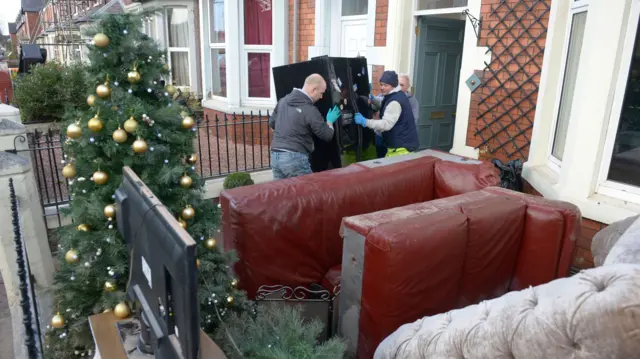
404 133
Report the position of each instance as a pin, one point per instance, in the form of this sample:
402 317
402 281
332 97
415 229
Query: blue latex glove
333 114
360 120
371 97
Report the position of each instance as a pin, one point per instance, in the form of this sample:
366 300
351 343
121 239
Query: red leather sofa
287 232
405 263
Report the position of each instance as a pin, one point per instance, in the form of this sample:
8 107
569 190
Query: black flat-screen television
162 273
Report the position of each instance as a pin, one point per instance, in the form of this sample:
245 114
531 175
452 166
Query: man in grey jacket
405 86
295 120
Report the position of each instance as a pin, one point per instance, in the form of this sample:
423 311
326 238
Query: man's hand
333 114
360 120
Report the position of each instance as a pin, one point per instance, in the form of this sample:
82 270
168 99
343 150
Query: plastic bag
510 174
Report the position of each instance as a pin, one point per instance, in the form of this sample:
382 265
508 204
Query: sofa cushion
570 230
594 314
404 261
453 178
288 231
495 229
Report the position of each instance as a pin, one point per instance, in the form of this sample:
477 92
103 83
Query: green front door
438 58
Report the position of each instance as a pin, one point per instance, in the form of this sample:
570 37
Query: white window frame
216 45
576 7
236 51
260 49
613 189
161 35
170 50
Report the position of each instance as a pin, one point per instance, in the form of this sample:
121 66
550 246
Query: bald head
314 86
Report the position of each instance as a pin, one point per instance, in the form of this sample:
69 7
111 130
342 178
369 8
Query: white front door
354 37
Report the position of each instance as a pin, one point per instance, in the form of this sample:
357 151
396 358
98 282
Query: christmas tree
133 120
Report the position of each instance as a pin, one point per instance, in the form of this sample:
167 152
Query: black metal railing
224 144
28 302
228 143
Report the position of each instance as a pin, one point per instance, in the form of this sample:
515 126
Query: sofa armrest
604 240
593 314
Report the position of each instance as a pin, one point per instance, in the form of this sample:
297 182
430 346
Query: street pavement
6 333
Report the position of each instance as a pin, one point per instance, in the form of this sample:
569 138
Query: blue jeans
289 164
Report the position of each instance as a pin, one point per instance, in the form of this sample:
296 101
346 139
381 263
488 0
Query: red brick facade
382 11
306 28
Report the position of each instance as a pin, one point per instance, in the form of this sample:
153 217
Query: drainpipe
296 6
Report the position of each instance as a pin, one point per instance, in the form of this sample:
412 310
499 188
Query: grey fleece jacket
294 120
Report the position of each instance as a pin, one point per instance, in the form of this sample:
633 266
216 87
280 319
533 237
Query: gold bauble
91 100
230 300
198 263
103 91
131 125
72 256
171 90
186 181
192 159
182 223
134 76
122 310
234 283
57 321
101 40
74 130
69 171
166 67
139 146
188 212
95 124
188 122
109 286
100 177
83 227
210 243
107 310
120 135
109 211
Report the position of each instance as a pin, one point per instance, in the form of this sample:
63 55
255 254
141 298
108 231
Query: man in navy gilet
396 122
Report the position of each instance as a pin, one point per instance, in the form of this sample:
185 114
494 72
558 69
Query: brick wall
249 128
306 28
583 258
512 98
382 11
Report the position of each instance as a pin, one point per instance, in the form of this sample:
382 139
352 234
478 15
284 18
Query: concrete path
6 333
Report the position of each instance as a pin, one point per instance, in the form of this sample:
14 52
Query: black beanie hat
389 78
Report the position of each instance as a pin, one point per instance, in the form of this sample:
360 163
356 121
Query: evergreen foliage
276 332
238 179
102 257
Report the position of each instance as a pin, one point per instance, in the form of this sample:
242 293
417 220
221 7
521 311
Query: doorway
439 46
353 29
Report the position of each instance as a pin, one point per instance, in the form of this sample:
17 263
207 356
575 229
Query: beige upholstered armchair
594 314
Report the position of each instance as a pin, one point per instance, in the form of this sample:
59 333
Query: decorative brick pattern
306 28
382 12
503 107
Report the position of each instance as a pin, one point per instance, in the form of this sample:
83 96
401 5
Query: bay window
172 27
244 34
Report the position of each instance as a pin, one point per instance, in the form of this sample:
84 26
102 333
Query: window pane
217 21
178 20
219 73
180 68
625 161
257 22
259 75
354 7
568 86
440 4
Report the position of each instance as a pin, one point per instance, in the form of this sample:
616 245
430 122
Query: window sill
597 207
223 106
